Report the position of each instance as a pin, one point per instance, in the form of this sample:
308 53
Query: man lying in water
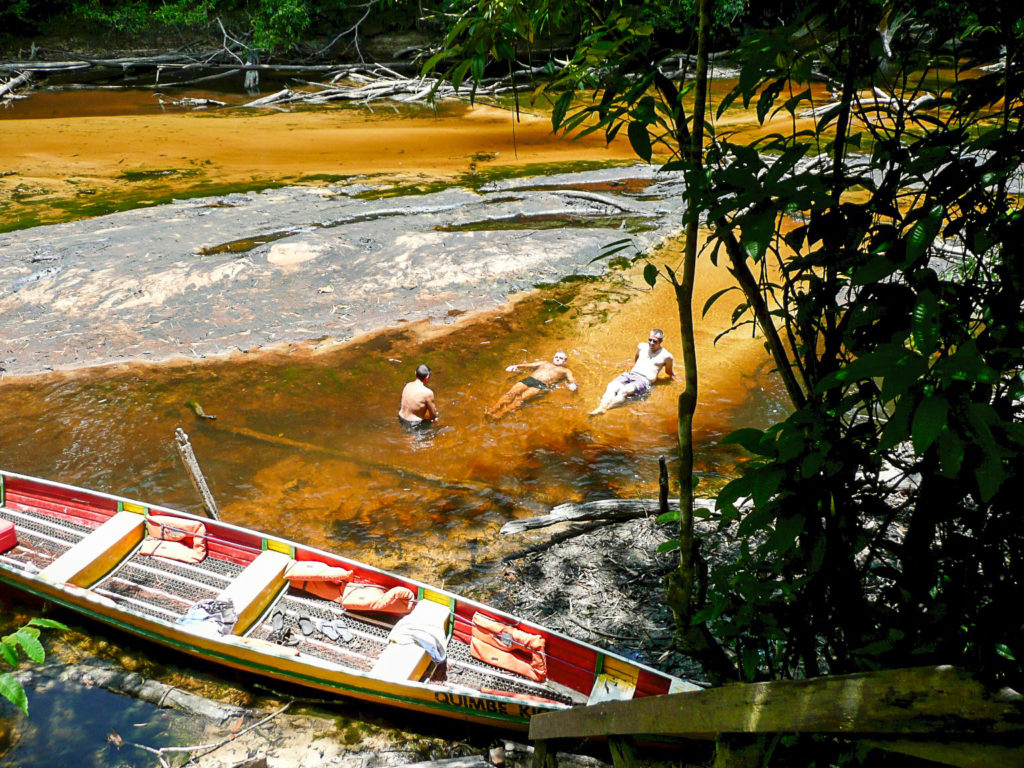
650 360
544 376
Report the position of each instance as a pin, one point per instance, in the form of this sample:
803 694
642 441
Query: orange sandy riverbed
86 158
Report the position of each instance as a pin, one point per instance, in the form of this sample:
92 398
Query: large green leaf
767 98
897 429
951 453
766 483
990 476
925 323
11 690
784 164
787 529
715 297
966 364
560 108
923 233
749 438
47 624
640 140
929 419
758 231
989 473
9 651
906 370
650 274
875 269
28 639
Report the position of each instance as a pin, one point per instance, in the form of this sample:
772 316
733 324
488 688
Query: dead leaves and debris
605 586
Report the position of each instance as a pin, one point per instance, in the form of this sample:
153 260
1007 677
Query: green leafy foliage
26 641
878 235
898 287
259 26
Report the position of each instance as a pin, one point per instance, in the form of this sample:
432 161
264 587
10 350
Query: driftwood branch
188 458
611 510
353 30
366 84
576 530
8 88
206 749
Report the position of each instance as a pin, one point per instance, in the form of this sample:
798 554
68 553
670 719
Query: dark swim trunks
535 383
413 425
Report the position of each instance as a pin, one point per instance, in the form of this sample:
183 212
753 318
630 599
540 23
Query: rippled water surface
306 443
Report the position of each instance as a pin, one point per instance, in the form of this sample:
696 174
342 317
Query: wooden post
662 485
623 754
542 757
188 458
739 751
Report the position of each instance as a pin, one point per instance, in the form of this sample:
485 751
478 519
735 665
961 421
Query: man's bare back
418 404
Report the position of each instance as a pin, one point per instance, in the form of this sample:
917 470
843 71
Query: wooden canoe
86 551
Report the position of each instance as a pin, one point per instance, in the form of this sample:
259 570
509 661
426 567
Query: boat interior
273 615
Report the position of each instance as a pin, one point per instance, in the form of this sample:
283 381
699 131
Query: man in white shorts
650 359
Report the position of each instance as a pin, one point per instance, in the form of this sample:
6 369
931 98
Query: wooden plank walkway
937 713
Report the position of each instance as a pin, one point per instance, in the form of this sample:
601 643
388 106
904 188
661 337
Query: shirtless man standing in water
418 407
543 378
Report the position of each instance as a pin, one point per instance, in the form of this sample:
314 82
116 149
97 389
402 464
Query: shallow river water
305 443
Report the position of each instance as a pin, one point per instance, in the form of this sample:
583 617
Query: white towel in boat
430 637
210 617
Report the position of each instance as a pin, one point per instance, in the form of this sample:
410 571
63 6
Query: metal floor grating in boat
165 589
28 520
464 669
41 538
368 638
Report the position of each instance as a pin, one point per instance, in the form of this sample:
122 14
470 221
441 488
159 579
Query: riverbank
62 167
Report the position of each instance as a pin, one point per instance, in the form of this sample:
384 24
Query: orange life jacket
509 648
370 597
175 538
324 581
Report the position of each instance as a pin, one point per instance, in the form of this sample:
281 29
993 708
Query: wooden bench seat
256 587
404 659
98 553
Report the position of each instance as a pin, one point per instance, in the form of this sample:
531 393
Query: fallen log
570 533
17 82
273 98
118 680
605 509
439 481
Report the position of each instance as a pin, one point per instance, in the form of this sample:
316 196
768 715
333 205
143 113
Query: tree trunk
696 640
